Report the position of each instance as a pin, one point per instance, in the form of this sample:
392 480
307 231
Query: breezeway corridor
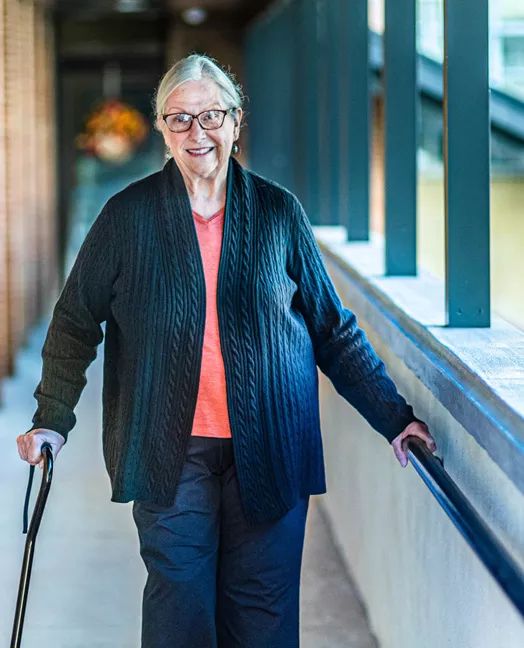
400 128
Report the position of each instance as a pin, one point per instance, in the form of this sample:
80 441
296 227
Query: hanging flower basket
113 132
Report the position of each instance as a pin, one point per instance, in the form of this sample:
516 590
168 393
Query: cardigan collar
179 228
175 196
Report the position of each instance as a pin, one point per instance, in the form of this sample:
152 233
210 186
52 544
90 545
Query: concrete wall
421 583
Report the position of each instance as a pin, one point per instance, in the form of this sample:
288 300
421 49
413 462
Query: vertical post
400 91
265 133
284 108
333 112
287 111
355 117
251 85
467 162
324 122
301 123
295 100
311 108
273 98
271 108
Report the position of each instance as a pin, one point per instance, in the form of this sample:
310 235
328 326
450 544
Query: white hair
194 68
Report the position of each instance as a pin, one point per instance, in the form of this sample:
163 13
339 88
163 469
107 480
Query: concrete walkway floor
87 575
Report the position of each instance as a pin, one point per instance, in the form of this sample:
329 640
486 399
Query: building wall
28 276
510 8
506 37
507 234
421 583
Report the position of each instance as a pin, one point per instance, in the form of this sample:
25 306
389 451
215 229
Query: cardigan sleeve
341 349
75 332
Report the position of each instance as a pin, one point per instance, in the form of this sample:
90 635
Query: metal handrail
479 536
27 564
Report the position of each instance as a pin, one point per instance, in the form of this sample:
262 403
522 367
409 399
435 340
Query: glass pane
430 190
430 33
507 46
430 170
507 164
376 15
507 227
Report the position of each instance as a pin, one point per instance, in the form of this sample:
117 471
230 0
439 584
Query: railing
478 535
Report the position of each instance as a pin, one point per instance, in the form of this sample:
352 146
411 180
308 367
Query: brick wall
3 206
28 273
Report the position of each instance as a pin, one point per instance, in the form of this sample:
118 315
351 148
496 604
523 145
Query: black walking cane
25 576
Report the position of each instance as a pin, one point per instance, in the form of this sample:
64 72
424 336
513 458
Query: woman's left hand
416 429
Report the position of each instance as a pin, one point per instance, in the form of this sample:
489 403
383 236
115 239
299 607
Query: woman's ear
238 121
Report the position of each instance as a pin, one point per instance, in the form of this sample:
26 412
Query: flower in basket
113 131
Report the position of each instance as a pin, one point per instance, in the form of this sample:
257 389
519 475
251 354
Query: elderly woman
218 309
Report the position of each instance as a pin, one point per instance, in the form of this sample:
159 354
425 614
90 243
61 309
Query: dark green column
324 125
308 50
332 109
400 164
283 117
300 94
467 162
355 118
252 90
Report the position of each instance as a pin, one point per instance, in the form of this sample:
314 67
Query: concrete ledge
477 374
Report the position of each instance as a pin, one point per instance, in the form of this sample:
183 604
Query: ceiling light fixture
194 16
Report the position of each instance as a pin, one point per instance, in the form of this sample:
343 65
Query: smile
201 151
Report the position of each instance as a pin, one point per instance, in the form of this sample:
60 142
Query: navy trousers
214 581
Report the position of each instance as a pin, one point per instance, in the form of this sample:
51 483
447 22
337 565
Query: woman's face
200 152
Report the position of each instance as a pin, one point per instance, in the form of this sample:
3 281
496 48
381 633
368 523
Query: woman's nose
196 131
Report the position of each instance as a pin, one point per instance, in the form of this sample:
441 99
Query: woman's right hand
29 445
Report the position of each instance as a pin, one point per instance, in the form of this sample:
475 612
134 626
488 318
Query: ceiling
237 12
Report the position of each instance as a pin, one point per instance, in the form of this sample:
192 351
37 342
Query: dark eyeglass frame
197 117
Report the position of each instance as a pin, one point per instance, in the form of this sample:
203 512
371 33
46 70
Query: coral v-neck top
211 414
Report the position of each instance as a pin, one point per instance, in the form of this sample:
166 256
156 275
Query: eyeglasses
209 120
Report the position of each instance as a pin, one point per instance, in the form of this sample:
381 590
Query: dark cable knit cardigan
140 270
